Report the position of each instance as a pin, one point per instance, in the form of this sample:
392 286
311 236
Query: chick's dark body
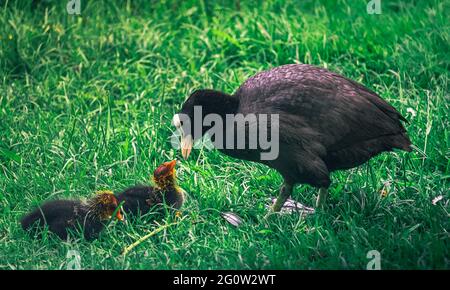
62 216
135 199
142 199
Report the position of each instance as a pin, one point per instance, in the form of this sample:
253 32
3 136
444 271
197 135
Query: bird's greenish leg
322 197
285 192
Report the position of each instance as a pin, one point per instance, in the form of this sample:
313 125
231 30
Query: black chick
142 199
326 123
63 215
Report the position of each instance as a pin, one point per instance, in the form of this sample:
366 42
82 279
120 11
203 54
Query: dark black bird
326 122
64 215
142 199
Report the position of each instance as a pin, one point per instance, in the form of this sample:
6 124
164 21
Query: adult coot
326 122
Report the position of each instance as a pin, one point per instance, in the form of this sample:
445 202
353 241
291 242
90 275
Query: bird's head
200 103
164 176
104 204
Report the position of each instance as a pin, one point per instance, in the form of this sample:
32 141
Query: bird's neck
169 191
217 102
167 183
94 210
230 105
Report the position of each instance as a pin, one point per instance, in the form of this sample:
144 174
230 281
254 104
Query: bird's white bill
186 146
176 121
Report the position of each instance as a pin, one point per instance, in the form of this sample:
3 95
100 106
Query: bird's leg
285 192
322 197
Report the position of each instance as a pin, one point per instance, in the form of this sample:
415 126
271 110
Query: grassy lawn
86 104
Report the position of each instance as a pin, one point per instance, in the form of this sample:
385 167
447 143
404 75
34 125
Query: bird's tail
401 141
31 218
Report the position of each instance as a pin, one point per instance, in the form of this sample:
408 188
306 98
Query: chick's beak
186 146
171 165
119 216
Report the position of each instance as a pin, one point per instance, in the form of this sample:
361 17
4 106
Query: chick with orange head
141 199
64 216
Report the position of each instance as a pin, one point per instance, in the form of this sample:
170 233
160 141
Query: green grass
86 103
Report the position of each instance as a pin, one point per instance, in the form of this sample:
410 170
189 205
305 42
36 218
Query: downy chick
63 215
142 199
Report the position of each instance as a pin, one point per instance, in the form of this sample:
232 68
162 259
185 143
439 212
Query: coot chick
62 216
142 199
326 122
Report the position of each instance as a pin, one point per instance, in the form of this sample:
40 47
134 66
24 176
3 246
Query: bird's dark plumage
141 199
62 216
136 199
326 121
